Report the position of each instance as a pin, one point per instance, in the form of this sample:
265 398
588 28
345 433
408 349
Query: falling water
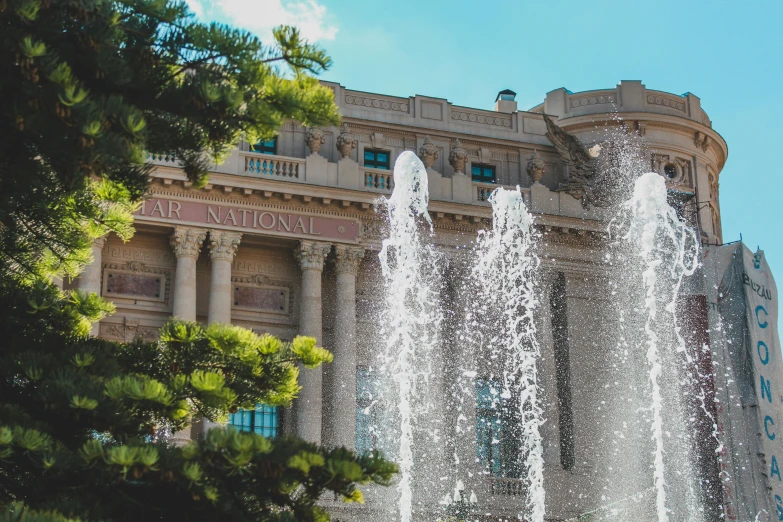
412 319
504 308
667 250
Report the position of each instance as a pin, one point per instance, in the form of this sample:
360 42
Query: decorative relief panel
432 110
666 101
485 119
135 280
673 169
128 331
592 100
705 119
122 252
275 267
258 294
377 103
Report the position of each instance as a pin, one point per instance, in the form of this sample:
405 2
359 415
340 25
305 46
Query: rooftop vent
506 101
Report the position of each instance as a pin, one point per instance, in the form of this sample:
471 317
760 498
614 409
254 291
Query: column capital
187 241
223 244
100 242
311 254
348 258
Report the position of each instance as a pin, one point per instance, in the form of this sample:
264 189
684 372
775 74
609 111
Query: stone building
284 239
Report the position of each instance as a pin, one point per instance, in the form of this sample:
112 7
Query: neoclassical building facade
284 239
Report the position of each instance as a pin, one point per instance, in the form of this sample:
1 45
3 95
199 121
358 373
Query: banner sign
743 317
761 301
247 219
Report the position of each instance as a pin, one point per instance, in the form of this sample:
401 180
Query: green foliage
90 87
83 422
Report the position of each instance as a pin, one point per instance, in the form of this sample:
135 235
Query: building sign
761 301
743 313
247 219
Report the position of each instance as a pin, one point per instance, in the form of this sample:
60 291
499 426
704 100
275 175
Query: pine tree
83 420
89 88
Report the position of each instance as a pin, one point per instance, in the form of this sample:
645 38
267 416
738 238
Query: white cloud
196 7
260 16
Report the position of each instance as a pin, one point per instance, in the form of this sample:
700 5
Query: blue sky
729 53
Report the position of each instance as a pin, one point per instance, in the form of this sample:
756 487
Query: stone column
90 279
186 243
311 255
339 427
222 248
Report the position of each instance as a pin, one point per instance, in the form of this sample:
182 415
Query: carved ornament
187 241
223 244
535 167
702 141
347 259
314 137
345 142
311 254
457 157
428 153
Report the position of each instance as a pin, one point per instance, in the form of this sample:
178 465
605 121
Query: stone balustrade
273 166
378 180
167 159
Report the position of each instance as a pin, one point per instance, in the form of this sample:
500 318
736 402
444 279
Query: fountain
666 251
412 329
505 298
649 471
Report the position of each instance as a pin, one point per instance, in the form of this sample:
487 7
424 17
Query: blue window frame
262 420
377 159
497 445
265 146
483 173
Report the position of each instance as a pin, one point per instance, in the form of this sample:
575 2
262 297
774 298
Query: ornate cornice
311 254
347 259
100 242
187 241
223 244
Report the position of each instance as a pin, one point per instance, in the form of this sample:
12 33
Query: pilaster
90 279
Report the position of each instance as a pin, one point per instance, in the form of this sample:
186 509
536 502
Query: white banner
743 310
761 301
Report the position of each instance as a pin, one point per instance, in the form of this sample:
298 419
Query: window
562 370
263 420
483 173
670 169
370 411
376 159
265 147
497 431
366 411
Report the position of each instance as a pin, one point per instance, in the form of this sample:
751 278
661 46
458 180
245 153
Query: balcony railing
378 179
482 191
272 166
167 159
